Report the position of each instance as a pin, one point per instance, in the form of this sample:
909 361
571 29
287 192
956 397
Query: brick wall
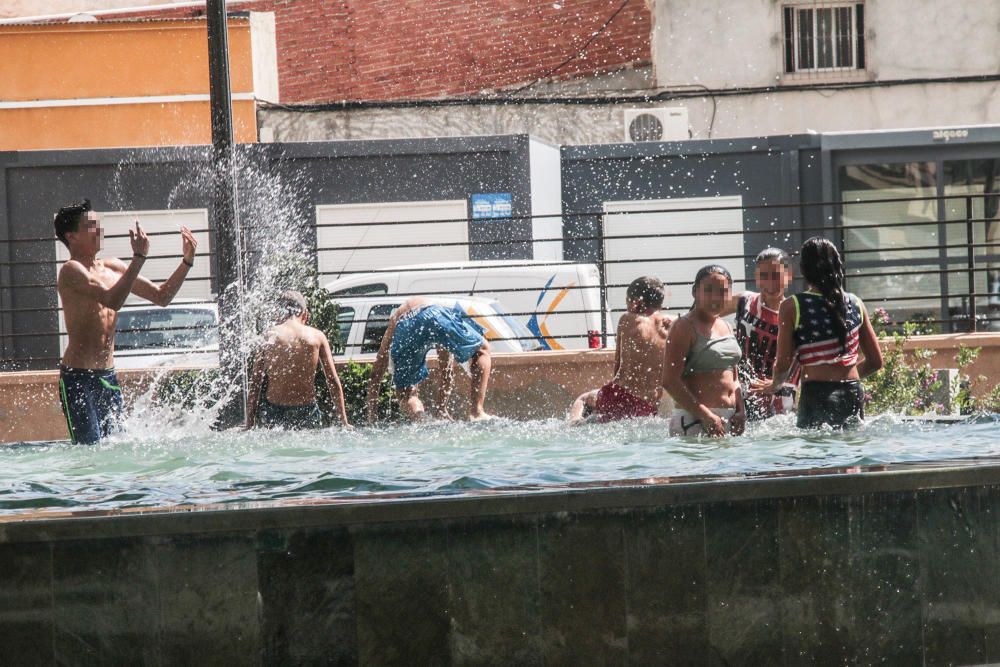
333 50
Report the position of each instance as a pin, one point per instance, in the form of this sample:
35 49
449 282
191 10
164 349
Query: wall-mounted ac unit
662 124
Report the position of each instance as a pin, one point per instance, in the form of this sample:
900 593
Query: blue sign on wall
492 205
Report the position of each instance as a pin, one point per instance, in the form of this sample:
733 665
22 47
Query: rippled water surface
156 466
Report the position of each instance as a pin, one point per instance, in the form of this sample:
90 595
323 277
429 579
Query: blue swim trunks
92 402
418 331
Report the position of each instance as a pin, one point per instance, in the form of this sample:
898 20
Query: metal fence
966 250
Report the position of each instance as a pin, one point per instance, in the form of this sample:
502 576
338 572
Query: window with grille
824 37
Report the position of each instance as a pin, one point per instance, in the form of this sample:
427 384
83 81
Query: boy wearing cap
287 358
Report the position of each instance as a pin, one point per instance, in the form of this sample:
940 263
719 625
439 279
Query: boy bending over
414 328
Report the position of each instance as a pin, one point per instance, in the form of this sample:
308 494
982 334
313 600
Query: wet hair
822 268
291 303
647 290
772 255
705 272
67 219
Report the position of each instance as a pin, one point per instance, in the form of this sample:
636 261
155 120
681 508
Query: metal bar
49 285
768 230
629 261
48 239
601 237
55 262
743 207
971 265
224 216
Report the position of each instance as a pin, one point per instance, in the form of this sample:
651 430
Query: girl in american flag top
827 331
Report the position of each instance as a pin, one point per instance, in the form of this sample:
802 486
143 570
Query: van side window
378 322
371 289
345 319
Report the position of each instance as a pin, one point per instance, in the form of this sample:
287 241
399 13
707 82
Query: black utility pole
225 218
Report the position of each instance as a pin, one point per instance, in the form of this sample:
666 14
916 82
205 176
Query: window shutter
860 27
789 39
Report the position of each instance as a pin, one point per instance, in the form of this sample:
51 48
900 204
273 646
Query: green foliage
901 386
918 325
355 377
906 383
323 311
188 389
991 402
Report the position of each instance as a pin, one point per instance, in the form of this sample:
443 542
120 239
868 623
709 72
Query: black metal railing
966 309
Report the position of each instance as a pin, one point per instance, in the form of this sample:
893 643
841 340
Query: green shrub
189 389
355 377
906 383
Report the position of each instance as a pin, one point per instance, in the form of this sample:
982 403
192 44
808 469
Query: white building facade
786 67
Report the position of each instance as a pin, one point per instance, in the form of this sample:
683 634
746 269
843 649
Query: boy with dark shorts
92 290
287 359
639 348
416 327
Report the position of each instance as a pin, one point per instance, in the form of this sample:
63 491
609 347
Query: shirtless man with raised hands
92 291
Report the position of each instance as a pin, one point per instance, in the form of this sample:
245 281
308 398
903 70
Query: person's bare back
640 346
288 358
290 354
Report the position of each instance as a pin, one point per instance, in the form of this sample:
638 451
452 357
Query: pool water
157 466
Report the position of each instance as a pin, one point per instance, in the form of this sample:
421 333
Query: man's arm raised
164 293
74 277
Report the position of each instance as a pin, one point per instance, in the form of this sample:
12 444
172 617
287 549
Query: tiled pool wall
900 565
533 385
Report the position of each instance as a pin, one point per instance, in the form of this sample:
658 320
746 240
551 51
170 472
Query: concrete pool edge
895 563
328 512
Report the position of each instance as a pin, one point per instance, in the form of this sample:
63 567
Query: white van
362 321
559 302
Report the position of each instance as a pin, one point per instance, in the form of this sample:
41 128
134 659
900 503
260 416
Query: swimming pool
157 466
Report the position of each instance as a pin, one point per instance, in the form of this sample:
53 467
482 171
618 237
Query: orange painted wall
72 61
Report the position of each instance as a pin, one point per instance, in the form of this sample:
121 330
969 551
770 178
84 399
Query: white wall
343 228
929 105
731 43
264 49
716 43
546 199
725 44
930 38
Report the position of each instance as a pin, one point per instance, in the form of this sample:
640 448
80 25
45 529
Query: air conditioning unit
662 124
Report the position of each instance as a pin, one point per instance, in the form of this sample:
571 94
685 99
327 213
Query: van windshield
159 328
527 341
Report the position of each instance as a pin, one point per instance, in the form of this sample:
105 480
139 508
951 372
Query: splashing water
189 464
276 256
